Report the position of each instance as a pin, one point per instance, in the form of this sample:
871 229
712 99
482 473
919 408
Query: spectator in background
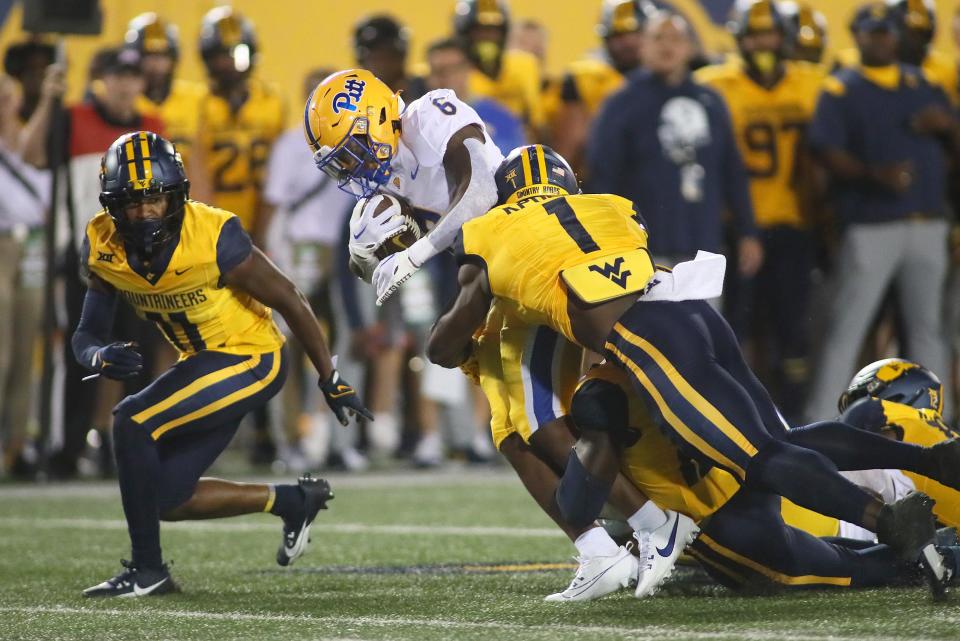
771 101
91 126
531 36
381 44
177 101
240 117
28 62
26 194
450 69
511 77
588 82
877 130
667 144
309 212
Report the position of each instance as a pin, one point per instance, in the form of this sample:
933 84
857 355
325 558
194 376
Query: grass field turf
387 562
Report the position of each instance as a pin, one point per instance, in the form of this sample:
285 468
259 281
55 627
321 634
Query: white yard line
318 526
639 633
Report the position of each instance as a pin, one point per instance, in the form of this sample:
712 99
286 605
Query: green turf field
419 556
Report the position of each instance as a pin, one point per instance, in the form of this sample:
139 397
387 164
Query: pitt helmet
806 31
352 124
225 31
896 380
136 167
534 170
151 34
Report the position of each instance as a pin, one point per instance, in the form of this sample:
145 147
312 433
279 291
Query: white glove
367 233
391 273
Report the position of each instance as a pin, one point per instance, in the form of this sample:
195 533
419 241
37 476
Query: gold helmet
352 124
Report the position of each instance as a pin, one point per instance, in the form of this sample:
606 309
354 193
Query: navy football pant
684 361
167 435
746 542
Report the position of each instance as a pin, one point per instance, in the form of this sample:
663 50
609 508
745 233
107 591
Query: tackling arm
451 337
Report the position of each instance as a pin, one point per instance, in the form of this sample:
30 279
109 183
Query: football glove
342 398
392 272
118 361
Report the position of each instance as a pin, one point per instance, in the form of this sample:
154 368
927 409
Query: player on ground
192 270
435 154
578 263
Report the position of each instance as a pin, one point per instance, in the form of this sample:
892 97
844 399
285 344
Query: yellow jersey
236 145
180 112
516 87
538 248
938 68
181 291
769 125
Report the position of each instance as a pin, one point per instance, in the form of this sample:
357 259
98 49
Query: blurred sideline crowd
829 185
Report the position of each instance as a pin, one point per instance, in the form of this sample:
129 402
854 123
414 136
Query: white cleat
598 576
660 549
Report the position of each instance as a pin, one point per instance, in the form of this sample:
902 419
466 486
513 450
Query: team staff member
177 101
577 263
878 130
667 144
192 270
511 77
588 82
771 101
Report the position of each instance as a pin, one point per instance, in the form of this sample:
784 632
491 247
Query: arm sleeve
93 330
233 245
735 180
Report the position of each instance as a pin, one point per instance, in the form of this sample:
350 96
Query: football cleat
937 573
660 549
598 576
907 525
134 582
296 536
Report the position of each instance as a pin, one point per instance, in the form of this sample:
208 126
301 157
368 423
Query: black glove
341 397
118 361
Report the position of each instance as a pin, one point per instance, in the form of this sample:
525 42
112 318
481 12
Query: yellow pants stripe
675 422
705 407
235 397
196 386
770 573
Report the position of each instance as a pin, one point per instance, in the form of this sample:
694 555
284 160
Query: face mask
764 61
487 54
144 232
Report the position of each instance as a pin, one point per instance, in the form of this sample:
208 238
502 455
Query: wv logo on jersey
349 97
613 272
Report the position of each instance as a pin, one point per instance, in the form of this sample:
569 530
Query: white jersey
427 124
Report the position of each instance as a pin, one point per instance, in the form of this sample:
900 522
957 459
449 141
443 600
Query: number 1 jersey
181 289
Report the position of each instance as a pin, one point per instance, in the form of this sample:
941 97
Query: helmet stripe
535 175
542 164
132 169
145 157
527 178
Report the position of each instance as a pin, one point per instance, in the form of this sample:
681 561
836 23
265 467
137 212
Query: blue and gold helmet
148 33
806 31
896 380
752 16
140 166
226 31
534 170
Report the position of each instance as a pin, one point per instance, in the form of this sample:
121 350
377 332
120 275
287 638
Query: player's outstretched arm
259 277
91 339
451 337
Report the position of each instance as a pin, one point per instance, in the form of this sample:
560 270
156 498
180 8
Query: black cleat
945 463
296 536
134 582
907 525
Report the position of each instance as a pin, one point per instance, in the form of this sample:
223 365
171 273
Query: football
408 234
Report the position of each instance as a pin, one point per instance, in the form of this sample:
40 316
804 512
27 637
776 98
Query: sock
580 496
850 448
138 468
288 503
647 518
596 542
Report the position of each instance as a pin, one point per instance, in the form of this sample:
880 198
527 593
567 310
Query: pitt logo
105 257
613 272
349 97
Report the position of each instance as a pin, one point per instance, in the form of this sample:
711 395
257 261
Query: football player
436 155
175 100
771 100
192 270
588 82
578 263
745 539
806 31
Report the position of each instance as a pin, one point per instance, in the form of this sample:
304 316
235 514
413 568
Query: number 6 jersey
181 289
